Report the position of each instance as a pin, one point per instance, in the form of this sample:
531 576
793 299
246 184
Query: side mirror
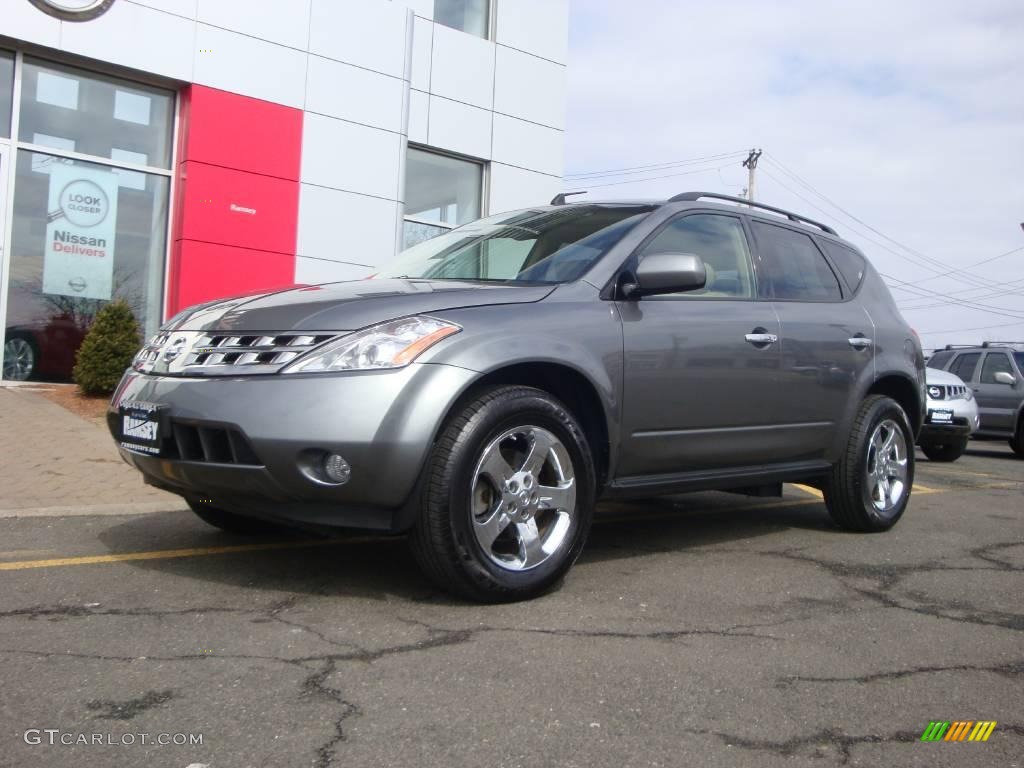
1002 377
667 273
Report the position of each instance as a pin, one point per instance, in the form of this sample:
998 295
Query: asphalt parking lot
711 630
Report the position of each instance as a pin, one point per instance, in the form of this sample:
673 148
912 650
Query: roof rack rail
960 346
987 344
689 197
559 199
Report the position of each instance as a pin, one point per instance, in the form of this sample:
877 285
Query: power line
652 178
918 254
650 168
921 293
977 328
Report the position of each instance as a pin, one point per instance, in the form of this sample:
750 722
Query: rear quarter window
850 263
939 359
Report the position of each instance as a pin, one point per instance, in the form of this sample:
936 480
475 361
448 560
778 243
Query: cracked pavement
711 630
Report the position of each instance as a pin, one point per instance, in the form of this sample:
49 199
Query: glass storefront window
470 16
69 109
441 193
83 234
6 92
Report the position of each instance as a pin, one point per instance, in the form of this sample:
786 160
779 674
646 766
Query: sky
906 114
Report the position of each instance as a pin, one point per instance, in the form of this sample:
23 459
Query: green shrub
108 349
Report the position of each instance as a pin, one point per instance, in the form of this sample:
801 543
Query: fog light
336 469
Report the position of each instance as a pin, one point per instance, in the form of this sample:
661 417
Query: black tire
443 539
230 522
1017 441
945 452
848 492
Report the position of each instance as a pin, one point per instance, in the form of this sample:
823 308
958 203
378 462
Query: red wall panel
231 207
208 271
243 133
237 198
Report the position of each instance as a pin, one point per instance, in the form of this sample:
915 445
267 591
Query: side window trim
634 258
849 291
844 292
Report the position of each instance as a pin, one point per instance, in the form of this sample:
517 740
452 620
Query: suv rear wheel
950 451
869 487
507 499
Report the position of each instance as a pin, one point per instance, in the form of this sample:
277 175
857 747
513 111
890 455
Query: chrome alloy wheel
524 498
887 467
19 359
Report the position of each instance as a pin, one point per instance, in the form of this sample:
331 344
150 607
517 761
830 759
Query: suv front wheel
869 487
507 499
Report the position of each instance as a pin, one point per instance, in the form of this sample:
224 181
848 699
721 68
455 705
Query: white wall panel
462 67
460 128
248 66
367 33
352 93
422 47
528 145
137 37
350 157
419 111
513 188
540 27
284 23
424 8
530 88
186 8
21 20
315 271
345 227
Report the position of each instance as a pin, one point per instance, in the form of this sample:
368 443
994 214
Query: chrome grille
196 353
277 350
947 392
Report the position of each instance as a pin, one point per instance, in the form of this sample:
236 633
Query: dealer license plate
142 427
941 416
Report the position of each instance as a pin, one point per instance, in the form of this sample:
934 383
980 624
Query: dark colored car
995 372
486 389
43 333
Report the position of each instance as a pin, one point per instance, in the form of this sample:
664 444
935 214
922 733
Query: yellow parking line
808 489
168 554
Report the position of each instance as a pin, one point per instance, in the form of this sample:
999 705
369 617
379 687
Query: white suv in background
951 416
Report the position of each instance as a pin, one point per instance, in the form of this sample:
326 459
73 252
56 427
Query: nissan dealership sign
73 10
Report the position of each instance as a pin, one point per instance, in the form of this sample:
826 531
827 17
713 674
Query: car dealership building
169 152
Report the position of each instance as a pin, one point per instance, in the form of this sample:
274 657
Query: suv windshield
538 246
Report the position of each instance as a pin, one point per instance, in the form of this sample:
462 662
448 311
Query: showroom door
5 154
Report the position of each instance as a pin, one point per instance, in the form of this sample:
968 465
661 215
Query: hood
941 378
348 306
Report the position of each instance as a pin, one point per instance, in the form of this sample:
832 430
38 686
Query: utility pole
751 165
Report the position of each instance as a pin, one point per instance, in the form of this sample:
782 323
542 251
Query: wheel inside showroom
869 487
508 497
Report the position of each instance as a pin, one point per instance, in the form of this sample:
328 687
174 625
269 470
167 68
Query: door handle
860 342
761 338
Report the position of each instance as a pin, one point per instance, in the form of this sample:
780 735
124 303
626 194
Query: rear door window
964 366
791 266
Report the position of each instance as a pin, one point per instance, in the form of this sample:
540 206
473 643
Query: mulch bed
91 407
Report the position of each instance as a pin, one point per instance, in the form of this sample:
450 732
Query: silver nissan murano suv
486 389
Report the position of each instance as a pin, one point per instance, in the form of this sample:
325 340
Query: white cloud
909 114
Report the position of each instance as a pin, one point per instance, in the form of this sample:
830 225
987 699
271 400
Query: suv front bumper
965 421
382 422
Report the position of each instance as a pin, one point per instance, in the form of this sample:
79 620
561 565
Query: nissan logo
73 10
175 348
934 393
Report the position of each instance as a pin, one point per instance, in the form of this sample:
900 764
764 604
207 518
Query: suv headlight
393 344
